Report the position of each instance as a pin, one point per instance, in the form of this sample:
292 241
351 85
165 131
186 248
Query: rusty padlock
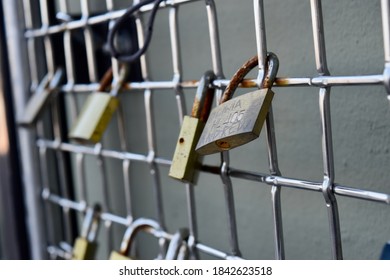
85 245
141 224
185 159
97 111
37 102
238 121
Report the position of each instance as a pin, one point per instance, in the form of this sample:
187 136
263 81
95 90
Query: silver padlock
178 249
37 102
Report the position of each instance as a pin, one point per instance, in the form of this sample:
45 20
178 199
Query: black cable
122 20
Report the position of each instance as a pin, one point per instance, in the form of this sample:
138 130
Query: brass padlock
238 121
141 224
97 111
185 159
35 105
85 245
178 249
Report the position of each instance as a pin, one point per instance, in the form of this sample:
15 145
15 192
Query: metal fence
56 179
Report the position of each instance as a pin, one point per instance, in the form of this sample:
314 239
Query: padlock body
185 160
34 107
36 104
117 256
235 122
84 249
94 117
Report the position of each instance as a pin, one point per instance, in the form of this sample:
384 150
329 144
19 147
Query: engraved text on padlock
237 122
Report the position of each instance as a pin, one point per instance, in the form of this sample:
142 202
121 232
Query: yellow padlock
185 160
97 111
85 246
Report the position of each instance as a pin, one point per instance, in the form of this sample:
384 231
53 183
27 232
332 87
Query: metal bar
180 101
261 41
385 8
13 233
215 253
362 194
247 83
327 148
224 166
154 172
106 194
176 61
31 46
319 37
229 203
82 23
150 131
270 130
126 163
236 173
80 177
46 39
215 44
19 80
276 190
89 43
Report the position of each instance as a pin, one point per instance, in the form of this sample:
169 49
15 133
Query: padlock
97 111
85 245
141 224
185 159
37 102
178 248
238 121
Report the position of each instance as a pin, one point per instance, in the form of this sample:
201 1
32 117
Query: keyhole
223 144
181 140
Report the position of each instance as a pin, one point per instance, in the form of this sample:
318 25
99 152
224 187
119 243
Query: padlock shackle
106 80
269 79
204 97
91 223
176 243
141 224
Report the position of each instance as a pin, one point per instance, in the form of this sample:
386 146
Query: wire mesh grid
39 35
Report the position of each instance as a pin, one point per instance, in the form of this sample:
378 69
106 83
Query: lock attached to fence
238 121
185 158
178 249
97 111
85 245
35 105
138 225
